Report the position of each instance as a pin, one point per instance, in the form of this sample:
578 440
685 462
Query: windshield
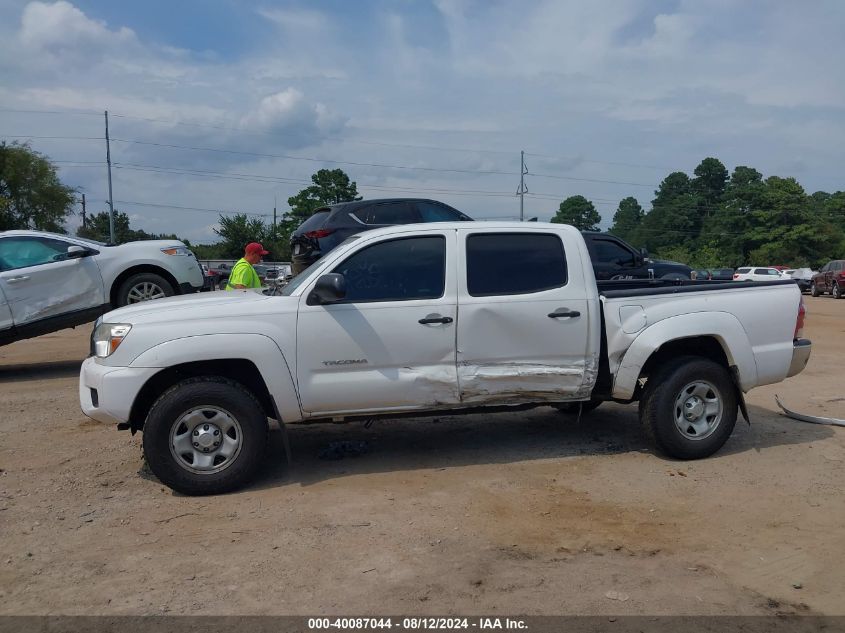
297 281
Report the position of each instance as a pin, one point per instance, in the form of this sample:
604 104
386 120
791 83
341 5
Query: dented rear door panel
510 350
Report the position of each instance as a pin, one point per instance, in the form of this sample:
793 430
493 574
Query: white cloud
618 81
59 30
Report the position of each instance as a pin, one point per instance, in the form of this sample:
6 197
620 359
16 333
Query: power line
312 159
600 162
204 209
241 130
609 182
72 112
272 179
63 138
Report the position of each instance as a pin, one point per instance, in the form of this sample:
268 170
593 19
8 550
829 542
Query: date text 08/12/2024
425 623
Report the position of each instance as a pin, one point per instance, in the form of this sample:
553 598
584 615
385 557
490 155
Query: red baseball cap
254 248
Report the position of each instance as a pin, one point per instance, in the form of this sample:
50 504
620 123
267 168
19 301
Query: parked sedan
748 273
329 226
831 278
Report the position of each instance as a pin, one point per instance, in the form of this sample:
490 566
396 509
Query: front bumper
188 288
106 394
801 350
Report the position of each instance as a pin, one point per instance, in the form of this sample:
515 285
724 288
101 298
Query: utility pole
83 210
274 218
522 188
111 201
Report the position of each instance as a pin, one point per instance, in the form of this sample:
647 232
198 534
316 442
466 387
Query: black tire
200 395
659 407
836 293
814 291
138 285
571 408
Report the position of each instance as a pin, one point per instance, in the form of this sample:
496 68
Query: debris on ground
809 418
339 450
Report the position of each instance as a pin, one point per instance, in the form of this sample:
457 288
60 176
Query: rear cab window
514 263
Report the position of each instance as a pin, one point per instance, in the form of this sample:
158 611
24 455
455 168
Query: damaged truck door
389 343
528 329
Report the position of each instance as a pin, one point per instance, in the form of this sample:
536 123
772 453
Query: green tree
31 194
237 231
711 178
627 218
330 187
784 229
579 212
725 231
672 220
97 228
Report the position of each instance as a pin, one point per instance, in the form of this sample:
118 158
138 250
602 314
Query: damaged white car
49 281
419 319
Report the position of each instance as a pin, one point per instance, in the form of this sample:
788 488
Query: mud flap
284 430
739 395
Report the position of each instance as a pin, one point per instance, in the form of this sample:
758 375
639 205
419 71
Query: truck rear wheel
205 436
689 407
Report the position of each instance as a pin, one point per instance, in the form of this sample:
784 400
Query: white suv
49 281
748 273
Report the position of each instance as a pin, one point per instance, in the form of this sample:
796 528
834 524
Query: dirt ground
527 512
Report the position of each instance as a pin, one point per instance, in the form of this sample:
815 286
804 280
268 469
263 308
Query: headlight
108 337
176 250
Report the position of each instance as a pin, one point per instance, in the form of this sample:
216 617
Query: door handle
564 314
428 320
16 280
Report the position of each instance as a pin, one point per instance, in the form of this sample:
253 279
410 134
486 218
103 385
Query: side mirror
643 256
75 252
329 288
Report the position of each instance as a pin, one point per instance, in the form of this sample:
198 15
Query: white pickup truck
417 319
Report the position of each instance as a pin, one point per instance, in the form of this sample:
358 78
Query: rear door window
743 271
388 213
514 263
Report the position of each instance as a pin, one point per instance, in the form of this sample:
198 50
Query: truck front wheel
689 407
205 435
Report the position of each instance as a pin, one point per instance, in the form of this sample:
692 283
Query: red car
831 278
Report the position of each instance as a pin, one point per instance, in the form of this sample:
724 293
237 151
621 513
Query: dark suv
614 258
329 226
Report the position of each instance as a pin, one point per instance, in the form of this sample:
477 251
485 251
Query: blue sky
431 98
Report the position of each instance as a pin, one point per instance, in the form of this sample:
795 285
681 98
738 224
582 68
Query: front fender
257 348
722 326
